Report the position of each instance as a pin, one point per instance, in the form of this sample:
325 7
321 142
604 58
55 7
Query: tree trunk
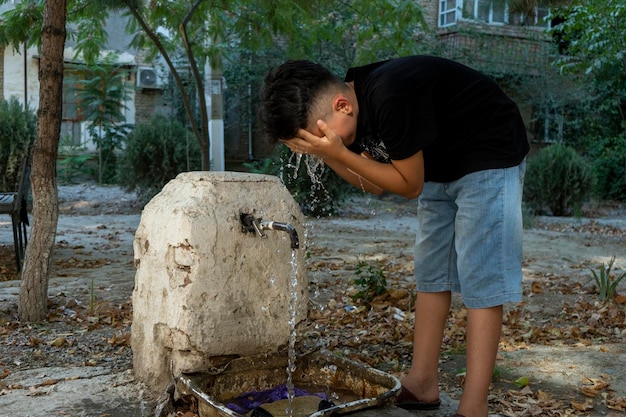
34 286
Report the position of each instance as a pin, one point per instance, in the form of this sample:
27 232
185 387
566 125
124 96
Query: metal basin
351 386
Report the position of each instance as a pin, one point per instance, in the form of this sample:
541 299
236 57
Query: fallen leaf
47 382
592 387
521 382
536 287
543 396
586 406
58 342
618 403
120 339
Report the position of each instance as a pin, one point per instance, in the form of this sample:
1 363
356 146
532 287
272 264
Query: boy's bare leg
431 313
484 326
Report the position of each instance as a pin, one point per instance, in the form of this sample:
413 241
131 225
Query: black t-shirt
461 119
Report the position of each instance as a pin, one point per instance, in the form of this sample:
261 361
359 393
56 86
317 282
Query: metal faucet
256 225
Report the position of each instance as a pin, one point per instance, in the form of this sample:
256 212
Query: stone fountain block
206 290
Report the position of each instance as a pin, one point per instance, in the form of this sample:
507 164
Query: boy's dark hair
288 95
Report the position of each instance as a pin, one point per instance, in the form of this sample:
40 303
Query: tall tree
34 286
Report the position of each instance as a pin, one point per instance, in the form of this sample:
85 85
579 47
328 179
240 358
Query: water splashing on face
315 197
314 166
293 163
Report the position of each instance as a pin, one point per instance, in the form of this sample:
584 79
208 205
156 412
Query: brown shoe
407 401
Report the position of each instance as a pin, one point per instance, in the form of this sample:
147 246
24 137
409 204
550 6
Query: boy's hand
325 145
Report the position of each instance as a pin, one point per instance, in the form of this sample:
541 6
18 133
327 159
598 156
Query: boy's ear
342 104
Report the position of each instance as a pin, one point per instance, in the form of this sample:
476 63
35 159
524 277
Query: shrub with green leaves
609 166
371 281
558 181
154 153
73 162
18 128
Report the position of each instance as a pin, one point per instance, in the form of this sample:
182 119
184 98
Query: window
485 11
70 98
542 14
498 12
70 125
447 12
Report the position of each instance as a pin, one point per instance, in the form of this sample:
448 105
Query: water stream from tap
315 169
293 310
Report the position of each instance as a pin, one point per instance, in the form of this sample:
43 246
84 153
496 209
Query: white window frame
445 12
490 17
507 17
541 23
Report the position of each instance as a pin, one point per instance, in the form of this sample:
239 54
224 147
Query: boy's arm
403 177
354 178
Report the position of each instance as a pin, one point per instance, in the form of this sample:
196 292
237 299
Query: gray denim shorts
469 237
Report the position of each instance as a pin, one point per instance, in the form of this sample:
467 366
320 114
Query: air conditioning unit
148 77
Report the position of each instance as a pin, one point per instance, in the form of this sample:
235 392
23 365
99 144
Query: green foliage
592 39
371 31
609 166
316 188
347 33
593 33
558 180
607 283
20 23
72 164
154 153
371 281
102 93
18 128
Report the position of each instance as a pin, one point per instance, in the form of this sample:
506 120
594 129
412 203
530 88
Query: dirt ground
567 344
562 350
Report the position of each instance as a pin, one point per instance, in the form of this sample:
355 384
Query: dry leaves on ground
591 227
75 335
380 335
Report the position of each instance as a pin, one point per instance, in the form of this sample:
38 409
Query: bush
558 181
609 166
371 281
315 187
18 128
73 162
155 153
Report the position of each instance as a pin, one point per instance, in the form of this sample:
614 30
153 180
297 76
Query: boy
428 127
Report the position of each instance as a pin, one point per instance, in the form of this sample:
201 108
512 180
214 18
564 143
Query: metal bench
15 204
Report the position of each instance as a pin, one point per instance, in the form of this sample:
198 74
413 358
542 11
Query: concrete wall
20 76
